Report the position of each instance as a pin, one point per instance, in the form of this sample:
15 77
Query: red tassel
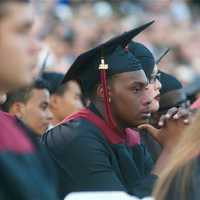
106 98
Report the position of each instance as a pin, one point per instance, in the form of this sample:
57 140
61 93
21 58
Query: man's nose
147 99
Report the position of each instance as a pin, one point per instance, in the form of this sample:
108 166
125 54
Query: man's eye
136 89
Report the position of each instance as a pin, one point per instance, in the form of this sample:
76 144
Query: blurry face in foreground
18 48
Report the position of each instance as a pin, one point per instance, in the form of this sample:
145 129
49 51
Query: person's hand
168 135
175 114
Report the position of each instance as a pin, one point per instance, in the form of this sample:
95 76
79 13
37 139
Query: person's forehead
21 12
40 95
131 77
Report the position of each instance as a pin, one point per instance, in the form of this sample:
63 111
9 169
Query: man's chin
144 121
140 122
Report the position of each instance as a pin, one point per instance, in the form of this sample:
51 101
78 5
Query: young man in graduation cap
95 149
157 79
24 173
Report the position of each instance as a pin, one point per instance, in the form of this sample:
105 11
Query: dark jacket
86 161
24 167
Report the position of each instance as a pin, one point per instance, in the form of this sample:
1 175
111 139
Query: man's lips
146 114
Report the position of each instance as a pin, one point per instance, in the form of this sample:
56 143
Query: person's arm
167 136
144 186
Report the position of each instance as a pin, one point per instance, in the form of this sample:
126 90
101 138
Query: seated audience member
65 99
31 105
146 58
180 178
99 137
172 95
25 169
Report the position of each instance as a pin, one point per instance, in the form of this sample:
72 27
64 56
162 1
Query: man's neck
101 109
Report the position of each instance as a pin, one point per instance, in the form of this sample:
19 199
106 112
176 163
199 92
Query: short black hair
91 93
23 94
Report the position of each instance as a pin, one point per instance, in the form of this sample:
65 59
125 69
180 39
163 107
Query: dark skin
128 99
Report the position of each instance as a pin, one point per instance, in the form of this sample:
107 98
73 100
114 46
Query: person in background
146 58
31 105
25 169
172 94
65 99
102 138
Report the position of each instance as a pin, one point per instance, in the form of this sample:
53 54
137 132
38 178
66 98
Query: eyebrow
141 83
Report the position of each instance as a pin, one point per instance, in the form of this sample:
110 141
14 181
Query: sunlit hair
176 178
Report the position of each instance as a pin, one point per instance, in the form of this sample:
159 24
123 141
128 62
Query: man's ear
17 109
100 91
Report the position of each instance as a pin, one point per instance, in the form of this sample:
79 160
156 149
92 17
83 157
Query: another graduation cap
107 59
86 66
162 56
144 55
170 83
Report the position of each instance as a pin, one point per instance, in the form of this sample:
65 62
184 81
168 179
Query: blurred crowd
71 27
113 132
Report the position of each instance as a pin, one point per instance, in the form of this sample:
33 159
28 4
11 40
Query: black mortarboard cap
85 69
144 55
169 83
54 80
162 56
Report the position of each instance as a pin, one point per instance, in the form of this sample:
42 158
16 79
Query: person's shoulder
67 132
13 137
6 117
